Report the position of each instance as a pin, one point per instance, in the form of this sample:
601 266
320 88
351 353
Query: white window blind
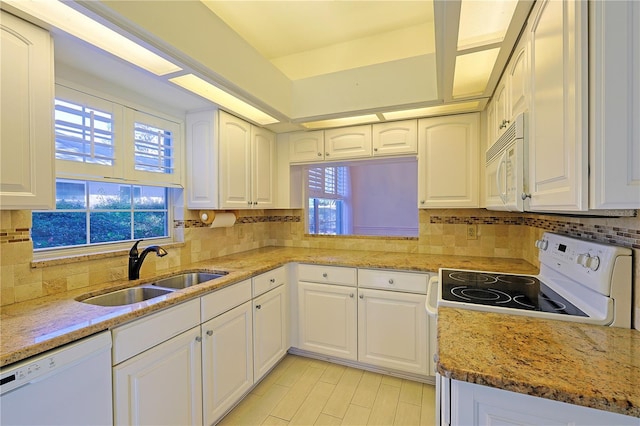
328 182
83 134
153 149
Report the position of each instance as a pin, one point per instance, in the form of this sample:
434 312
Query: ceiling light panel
431 111
339 122
220 97
472 72
71 21
484 22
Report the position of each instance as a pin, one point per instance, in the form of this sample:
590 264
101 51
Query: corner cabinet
27 179
231 164
448 161
558 155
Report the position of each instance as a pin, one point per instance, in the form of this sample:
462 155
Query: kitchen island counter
581 364
32 327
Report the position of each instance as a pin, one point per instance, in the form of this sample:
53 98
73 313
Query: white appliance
70 385
579 280
506 170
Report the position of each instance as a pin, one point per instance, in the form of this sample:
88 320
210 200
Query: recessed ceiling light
218 96
472 72
338 122
484 22
69 20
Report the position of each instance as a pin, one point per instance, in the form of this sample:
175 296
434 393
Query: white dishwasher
70 385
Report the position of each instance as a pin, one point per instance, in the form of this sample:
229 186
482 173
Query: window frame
344 199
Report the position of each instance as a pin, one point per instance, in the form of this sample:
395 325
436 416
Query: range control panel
587 261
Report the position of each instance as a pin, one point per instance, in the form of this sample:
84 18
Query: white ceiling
296 60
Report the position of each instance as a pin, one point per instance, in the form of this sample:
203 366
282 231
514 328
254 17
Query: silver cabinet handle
258 306
524 196
391 281
361 296
209 332
324 275
198 339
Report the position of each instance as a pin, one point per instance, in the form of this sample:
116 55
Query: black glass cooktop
504 290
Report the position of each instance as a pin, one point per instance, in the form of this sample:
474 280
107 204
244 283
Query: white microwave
506 170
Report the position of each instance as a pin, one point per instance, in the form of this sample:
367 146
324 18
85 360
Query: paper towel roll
223 220
207 216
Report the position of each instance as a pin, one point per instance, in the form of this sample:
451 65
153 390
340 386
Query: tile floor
303 391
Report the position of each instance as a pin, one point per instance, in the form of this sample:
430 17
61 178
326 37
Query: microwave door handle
501 164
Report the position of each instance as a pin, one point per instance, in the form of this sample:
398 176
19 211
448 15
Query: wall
500 234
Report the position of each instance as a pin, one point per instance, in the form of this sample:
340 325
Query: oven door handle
431 304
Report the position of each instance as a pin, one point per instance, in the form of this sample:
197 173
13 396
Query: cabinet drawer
220 301
138 336
393 280
272 279
327 274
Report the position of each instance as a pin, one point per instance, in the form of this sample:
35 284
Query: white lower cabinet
327 316
161 386
392 330
473 404
270 330
227 361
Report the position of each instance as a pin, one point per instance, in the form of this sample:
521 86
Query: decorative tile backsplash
195 223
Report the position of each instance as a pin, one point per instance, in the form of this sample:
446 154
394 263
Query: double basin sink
128 296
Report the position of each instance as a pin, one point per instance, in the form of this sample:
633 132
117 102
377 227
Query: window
100 212
328 199
116 168
372 197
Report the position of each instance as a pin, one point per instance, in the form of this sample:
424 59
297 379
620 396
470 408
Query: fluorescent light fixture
218 96
431 111
338 122
69 20
484 22
473 71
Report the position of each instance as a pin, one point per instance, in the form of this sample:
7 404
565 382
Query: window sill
65 260
359 237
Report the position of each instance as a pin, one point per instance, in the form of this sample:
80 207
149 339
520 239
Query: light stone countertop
582 364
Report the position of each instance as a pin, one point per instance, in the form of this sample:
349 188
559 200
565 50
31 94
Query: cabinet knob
375 149
391 281
272 280
319 154
421 201
258 306
326 154
524 196
248 203
198 339
255 203
361 296
209 332
351 295
324 275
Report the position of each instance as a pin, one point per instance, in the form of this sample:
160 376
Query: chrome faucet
135 261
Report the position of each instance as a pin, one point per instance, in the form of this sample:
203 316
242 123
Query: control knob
588 262
542 244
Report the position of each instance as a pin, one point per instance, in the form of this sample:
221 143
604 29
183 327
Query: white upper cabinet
614 105
501 103
306 146
448 161
347 142
558 113
26 113
518 78
395 138
230 163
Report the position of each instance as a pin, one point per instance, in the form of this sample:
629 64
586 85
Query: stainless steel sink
187 279
127 296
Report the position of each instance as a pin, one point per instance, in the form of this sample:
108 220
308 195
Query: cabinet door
518 77
399 137
327 320
162 386
306 146
392 330
615 105
448 149
492 134
263 167
558 113
202 160
502 107
269 330
235 162
26 135
227 361
348 142
473 404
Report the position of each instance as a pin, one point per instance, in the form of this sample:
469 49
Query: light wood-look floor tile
304 391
